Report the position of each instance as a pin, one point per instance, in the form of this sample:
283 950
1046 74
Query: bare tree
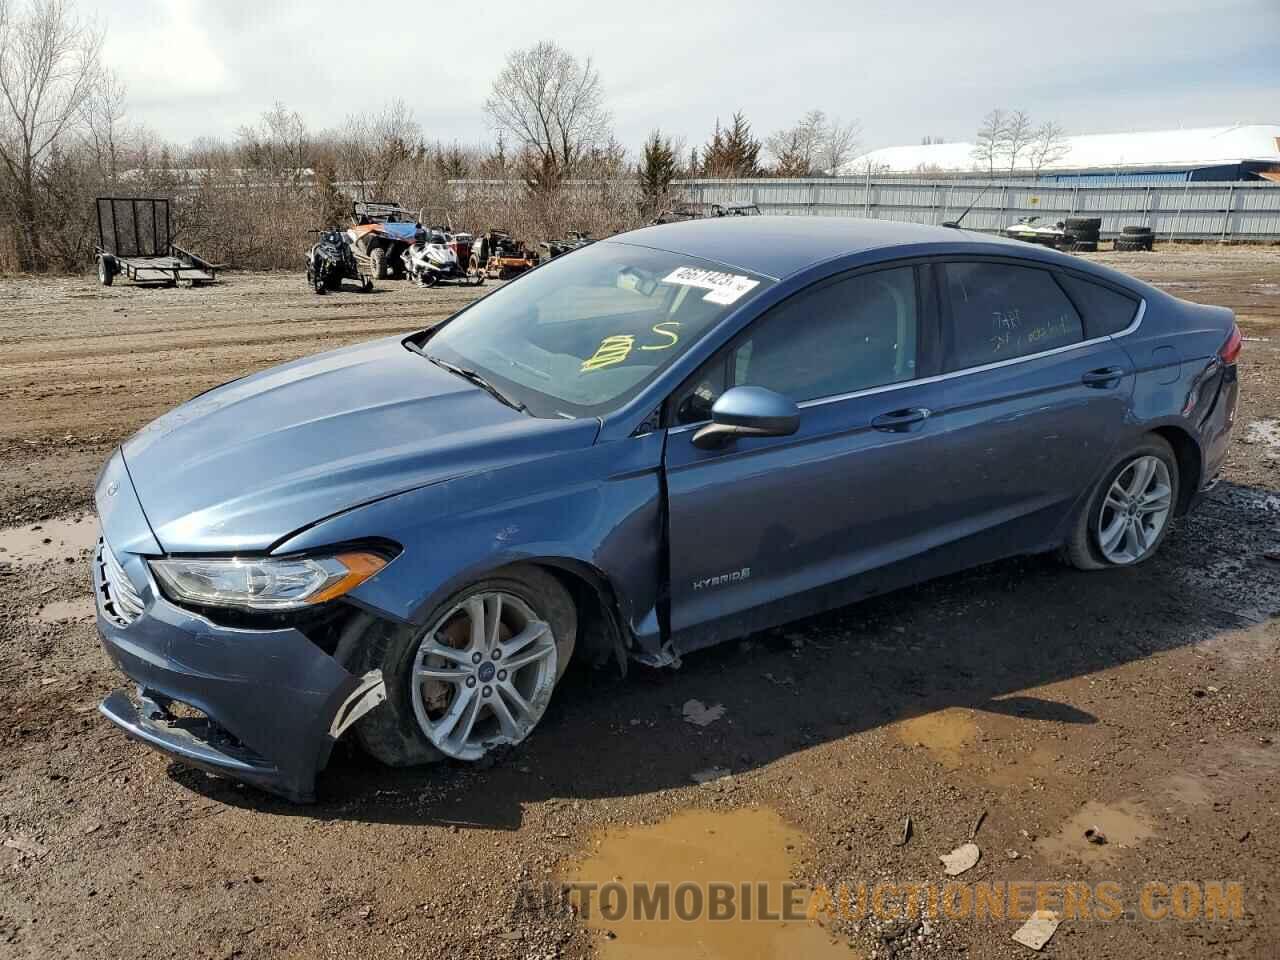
278 149
989 144
1018 134
838 146
1008 140
816 145
1048 145
371 148
49 65
103 116
795 149
552 107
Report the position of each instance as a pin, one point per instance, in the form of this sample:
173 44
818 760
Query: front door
769 529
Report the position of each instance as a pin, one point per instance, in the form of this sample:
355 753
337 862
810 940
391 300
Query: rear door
1035 401
768 529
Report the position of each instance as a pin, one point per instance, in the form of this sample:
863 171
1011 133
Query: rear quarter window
1000 311
1105 311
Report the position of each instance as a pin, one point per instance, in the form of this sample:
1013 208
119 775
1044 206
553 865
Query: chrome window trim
888 387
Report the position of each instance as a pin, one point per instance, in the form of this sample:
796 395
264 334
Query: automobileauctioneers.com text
1153 900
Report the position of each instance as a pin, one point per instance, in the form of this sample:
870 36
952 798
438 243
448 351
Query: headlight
265 583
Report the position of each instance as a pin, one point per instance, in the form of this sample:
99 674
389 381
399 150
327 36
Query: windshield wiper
475 378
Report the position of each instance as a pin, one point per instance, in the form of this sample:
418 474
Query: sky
902 70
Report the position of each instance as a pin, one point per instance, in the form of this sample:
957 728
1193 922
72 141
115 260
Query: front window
583 334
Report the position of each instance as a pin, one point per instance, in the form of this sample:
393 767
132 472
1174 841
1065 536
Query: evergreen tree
657 170
732 152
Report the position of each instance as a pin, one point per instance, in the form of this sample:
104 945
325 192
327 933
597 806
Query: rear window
1002 312
1105 311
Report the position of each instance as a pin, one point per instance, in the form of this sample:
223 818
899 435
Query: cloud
164 54
932 67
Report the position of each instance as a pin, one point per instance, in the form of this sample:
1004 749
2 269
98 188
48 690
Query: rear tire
106 271
392 733
1084 549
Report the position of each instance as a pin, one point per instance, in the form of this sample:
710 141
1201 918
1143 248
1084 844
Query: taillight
1231 349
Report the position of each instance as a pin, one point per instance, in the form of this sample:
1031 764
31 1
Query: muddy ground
1143 702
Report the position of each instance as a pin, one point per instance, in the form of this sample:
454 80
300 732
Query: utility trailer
135 239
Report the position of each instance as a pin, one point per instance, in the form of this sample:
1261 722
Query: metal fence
1184 211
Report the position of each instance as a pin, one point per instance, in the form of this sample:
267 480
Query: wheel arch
1190 462
602 631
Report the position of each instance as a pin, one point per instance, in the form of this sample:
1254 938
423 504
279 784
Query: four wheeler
331 261
380 234
500 257
435 258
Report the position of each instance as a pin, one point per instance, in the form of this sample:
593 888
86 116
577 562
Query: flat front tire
1129 511
479 675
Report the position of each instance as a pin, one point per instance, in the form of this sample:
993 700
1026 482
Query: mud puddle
685 858
946 734
36 543
1124 825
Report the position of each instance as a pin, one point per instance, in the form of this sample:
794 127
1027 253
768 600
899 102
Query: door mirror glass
748 412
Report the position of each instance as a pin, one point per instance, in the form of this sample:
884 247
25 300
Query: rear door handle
1103 377
900 421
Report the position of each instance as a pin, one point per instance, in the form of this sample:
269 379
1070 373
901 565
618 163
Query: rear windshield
585 332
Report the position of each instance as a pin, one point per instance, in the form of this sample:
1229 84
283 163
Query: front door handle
1103 377
900 421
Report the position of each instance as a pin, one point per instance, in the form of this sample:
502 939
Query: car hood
246 464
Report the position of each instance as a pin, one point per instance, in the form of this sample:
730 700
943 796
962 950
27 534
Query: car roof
779 246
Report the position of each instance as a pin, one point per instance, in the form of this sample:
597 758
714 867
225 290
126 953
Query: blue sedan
661 441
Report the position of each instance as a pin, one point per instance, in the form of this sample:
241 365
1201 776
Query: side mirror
748 412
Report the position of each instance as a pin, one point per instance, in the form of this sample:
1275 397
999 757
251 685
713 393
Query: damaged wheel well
602 633
1188 453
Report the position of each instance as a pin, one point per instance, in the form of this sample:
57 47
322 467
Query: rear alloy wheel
1129 513
480 676
1135 511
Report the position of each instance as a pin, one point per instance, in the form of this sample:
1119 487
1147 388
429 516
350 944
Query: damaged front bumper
260 706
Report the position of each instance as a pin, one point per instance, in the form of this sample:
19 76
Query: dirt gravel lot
1142 702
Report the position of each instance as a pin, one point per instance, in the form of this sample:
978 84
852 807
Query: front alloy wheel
1135 511
483 675
479 675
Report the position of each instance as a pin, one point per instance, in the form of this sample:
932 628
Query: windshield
581 335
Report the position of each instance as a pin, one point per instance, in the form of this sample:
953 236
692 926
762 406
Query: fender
598 510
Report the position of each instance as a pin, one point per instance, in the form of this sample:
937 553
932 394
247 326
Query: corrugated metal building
1233 153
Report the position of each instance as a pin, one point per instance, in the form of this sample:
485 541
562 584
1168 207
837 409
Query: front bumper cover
275 703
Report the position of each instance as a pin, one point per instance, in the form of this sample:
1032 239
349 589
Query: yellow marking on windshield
658 328
612 350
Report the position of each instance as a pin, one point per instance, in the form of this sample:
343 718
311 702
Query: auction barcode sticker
723 288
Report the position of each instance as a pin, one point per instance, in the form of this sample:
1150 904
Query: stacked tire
1081 234
1135 238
